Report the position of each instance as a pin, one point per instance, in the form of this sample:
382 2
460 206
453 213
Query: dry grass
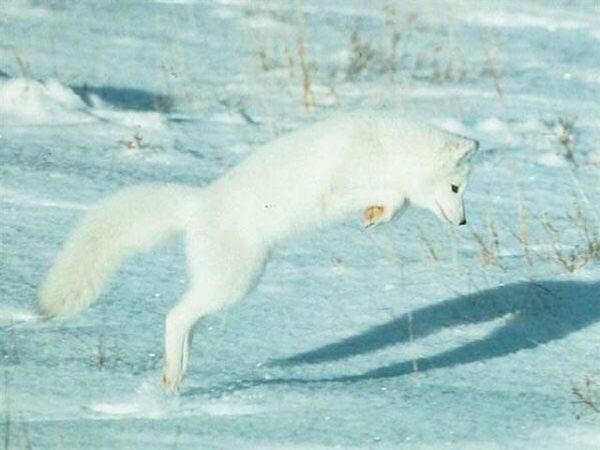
23 66
402 47
591 236
16 432
309 99
574 258
379 54
7 413
363 56
429 246
411 337
261 51
489 245
587 394
100 354
492 70
523 235
571 261
563 129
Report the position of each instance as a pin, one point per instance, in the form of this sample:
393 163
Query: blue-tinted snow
408 335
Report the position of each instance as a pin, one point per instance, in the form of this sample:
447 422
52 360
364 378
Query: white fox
373 164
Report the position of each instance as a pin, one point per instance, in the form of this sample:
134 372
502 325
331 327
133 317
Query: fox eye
454 188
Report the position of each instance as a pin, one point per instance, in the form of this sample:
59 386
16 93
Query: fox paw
373 214
171 380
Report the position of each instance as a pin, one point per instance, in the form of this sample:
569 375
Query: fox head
443 179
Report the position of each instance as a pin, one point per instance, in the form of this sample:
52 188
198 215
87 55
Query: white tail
132 220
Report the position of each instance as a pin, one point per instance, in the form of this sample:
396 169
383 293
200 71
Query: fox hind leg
221 275
178 325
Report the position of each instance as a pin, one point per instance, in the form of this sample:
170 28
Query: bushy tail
132 220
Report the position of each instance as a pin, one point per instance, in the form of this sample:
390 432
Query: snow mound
492 125
10 316
146 402
35 102
552 159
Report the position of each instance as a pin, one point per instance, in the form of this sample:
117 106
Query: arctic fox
371 165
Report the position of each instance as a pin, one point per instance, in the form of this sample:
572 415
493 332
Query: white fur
313 177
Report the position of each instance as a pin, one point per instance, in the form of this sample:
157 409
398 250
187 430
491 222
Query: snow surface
409 335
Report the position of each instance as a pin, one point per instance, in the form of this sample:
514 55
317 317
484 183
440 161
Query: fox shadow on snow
535 313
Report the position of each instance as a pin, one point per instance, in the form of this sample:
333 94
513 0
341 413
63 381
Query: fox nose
464 221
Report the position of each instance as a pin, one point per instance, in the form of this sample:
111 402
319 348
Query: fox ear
462 149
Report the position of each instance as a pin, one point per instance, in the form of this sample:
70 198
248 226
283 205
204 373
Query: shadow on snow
125 98
534 313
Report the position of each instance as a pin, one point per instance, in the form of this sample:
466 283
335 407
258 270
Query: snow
35 102
409 335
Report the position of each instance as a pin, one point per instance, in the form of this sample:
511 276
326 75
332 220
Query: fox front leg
383 212
373 215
